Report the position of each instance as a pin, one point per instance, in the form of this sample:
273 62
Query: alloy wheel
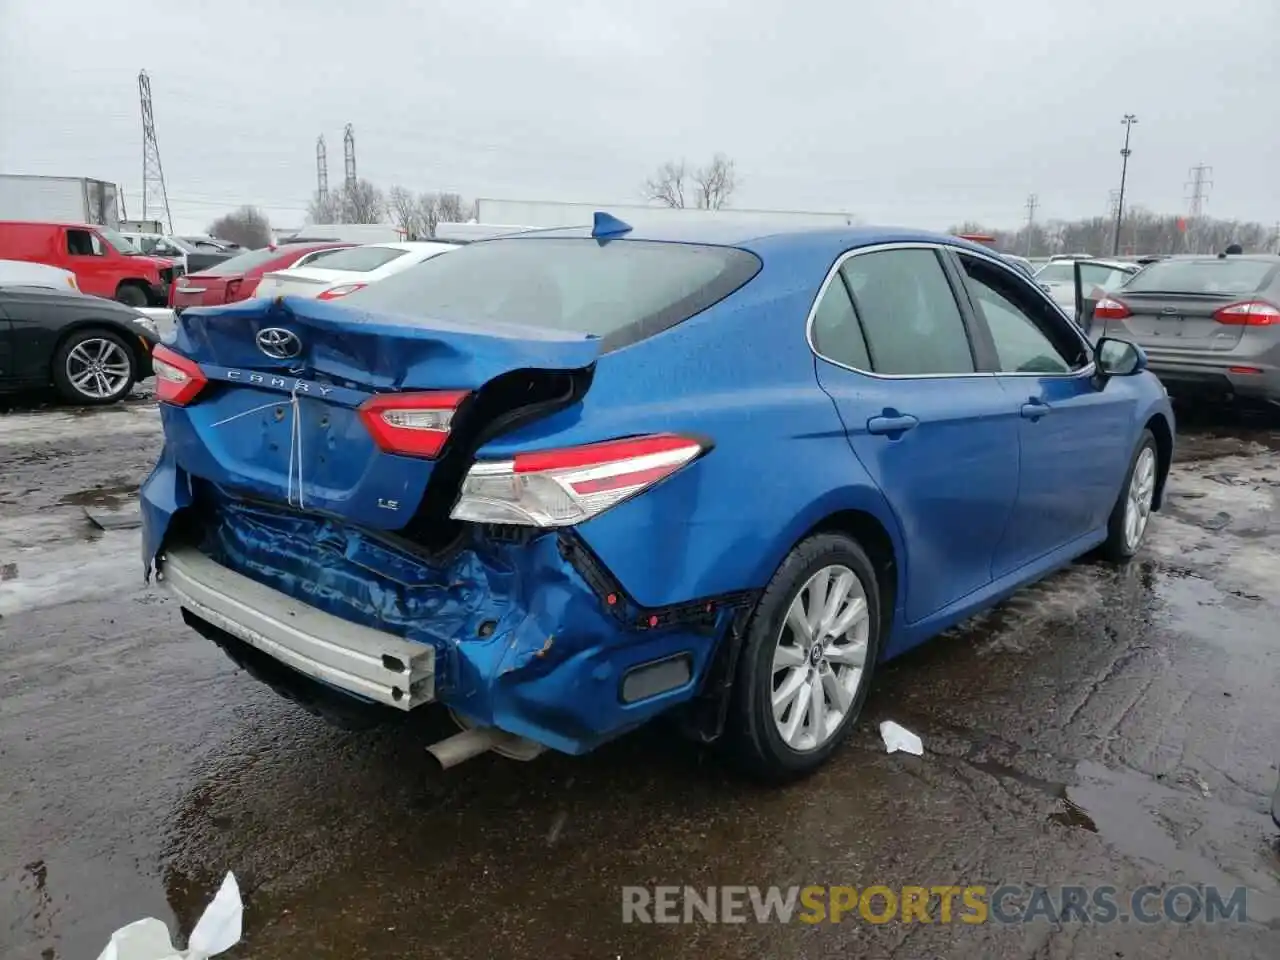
98 368
1137 508
820 657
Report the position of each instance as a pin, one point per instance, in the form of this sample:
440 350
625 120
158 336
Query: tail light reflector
1109 308
341 290
558 488
411 424
178 379
1254 313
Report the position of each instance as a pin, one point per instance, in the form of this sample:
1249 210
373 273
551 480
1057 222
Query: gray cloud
910 112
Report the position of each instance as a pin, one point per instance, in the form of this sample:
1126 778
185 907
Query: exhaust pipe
473 741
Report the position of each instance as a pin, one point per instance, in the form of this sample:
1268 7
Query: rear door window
1228 276
620 290
912 323
837 335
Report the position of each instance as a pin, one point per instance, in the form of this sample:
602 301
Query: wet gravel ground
1109 726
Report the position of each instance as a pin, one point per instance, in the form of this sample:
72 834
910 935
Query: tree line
1141 232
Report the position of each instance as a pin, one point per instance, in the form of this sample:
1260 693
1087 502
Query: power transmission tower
322 174
1128 121
154 195
1199 184
1033 201
349 152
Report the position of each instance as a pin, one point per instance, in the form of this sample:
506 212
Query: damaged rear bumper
518 635
367 663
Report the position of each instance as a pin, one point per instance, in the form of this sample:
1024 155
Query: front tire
1132 512
806 665
132 295
94 367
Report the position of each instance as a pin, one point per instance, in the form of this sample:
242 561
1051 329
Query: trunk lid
305 281
196 290
1165 321
289 430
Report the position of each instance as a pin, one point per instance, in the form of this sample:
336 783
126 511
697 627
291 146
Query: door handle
1034 409
898 423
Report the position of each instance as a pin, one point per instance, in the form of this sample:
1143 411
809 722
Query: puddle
1189 838
113 494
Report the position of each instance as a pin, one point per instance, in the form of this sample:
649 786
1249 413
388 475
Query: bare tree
328 210
667 186
715 183
362 202
247 226
429 213
451 208
406 213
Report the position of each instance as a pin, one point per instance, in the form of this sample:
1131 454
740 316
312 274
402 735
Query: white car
20 273
1057 278
346 271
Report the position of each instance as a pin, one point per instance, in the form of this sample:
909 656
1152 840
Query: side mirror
1119 358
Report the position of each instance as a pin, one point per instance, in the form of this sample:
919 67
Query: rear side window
1229 276
837 336
621 290
909 313
362 259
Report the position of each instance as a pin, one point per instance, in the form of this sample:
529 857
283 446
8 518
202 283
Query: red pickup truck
104 262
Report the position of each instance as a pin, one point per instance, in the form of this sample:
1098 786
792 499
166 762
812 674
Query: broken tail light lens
1109 308
341 290
558 488
411 424
1254 313
178 379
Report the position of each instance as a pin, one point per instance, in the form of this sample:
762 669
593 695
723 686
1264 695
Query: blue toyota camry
566 481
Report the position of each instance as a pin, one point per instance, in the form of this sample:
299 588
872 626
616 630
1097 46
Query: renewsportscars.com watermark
1005 904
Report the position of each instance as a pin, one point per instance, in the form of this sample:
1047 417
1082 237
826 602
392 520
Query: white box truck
59 199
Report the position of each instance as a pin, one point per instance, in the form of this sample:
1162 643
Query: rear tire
132 295
94 367
1131 514
778 663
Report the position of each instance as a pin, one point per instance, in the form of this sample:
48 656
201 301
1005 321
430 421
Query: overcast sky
917 112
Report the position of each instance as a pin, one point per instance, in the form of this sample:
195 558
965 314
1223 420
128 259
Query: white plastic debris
899 738
217 931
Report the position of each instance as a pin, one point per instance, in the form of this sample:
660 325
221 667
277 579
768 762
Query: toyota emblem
279 343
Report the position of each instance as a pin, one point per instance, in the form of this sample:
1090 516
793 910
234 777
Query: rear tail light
411 424
178 379
1110 309
558 488
341 290
229 292
1254 313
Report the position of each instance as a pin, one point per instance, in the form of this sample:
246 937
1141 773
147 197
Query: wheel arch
1160 428
863 515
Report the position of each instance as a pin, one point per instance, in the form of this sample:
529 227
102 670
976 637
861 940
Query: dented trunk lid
287 428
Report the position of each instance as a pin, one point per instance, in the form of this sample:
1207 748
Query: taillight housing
1251 313
411 424
341 290
558 488
1109 308
230 291
178 379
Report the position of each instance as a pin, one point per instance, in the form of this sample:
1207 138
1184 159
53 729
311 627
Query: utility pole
1275 237
322 174
1128 121
349 156
155 198
1199 184
1033 201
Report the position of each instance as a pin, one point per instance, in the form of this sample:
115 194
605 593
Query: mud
1108 726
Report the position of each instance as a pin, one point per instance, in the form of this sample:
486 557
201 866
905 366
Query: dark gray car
1210 325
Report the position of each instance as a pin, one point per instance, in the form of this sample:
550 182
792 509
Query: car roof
412 245
1205 257
765 235
70 224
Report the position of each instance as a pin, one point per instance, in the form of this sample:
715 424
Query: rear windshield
242 264
1060 272
362 259
1228 276
621 291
